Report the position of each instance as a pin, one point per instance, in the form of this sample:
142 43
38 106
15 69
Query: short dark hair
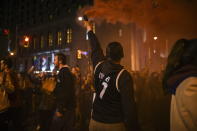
7 61
61 57
114 51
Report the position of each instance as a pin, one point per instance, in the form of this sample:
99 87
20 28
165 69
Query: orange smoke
166 16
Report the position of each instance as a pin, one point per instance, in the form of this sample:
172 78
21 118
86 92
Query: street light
83 18
26 39
155 37
154 51
12 53
80 18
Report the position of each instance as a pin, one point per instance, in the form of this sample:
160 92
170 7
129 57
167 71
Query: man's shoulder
65 69
125 74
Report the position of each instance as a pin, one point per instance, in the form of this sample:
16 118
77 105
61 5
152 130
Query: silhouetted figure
114 107
180 80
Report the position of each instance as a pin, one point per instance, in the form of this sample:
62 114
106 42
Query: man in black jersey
64 94
114 107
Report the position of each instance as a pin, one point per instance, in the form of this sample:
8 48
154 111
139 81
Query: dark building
3 31
40 28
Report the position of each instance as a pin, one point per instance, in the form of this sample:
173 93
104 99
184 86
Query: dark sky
1 11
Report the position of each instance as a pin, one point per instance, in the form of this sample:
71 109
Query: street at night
98 65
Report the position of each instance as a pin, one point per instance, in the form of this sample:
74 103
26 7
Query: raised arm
97 52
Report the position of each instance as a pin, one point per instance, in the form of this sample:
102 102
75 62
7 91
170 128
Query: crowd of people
35 111
107 98
30 105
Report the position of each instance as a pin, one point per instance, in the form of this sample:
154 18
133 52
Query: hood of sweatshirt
180 75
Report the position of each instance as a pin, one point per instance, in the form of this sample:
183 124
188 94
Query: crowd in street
106 98
35 110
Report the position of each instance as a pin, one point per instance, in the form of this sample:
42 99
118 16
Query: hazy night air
172 17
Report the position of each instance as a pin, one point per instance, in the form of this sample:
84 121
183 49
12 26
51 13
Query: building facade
41 28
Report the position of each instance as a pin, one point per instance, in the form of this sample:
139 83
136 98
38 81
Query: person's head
183 53
6 63
190 55
114 51
60 59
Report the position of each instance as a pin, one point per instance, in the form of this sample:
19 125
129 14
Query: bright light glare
12 53
80 18
154 51
155 38
26 39
84 52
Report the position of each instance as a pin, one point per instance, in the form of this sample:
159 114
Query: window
69 35
120 32
59 38
94 27
50 40
42 42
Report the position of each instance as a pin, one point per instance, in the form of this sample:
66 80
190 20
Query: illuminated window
94 27
69 35
59 38
120 32
50 40
42 42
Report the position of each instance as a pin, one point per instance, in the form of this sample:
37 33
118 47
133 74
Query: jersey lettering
105 85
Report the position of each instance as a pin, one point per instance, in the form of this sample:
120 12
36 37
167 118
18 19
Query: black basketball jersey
107 102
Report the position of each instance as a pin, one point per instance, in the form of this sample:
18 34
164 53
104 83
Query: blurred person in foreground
10 101
114 107
180 80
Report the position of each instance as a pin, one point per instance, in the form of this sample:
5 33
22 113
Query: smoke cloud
159 16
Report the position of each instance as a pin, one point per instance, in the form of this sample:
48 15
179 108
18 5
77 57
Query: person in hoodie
114 107
180 80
